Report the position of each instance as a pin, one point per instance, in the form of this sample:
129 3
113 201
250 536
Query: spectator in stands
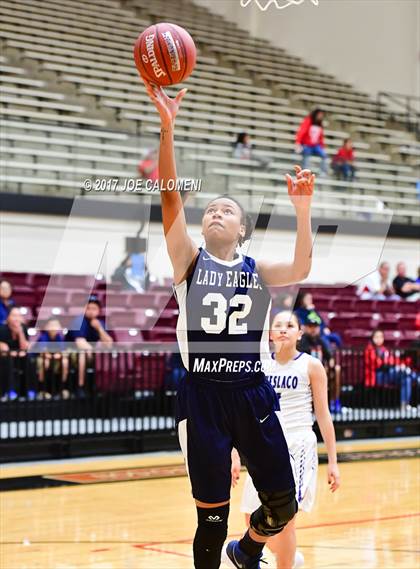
242 150
377 285
386 369
87 331
404 286
5 300
343 162
312 343
284 301
132 273
17 371
148 166
310 140
53 364
304 307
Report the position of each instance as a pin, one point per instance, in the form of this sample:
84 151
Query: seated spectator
132 273
5 300
377 285
385 369
343 162
17 372
312 343
242 150
87 331
310 140
305 307
404 286
284 301
52 361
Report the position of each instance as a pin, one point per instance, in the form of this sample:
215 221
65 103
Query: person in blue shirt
305 307
6 302
87 331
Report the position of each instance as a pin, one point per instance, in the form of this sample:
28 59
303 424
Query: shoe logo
214 519
265 418
206 258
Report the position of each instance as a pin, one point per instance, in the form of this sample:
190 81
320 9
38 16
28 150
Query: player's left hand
333 477
301 188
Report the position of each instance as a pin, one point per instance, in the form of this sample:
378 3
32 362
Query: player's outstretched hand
301 188
167 108
333 477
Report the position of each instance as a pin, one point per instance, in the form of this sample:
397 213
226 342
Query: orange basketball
165 54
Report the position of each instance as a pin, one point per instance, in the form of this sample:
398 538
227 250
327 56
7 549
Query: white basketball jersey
292 384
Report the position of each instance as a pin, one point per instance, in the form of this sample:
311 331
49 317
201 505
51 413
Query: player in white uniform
301 382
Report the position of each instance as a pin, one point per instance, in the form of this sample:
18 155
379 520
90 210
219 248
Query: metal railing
73 394
404 109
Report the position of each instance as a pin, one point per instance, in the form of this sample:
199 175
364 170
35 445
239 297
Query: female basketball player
225 400
300 382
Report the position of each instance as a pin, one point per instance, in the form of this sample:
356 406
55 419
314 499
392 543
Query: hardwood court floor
372 522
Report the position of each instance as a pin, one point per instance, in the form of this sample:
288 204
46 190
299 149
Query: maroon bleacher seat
79 297
53 297
118 299
39 279
158 334
144 300
357 337
407 322
130 337
45 312
364 305
343 304
23 279
73 281
122 320
406 307
408 337
387 306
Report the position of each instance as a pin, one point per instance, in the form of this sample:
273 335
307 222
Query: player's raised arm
300 191
319 386
181 248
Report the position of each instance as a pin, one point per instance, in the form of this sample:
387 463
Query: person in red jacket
343 161
384 368
310 140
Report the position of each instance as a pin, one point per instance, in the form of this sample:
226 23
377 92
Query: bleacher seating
152 316
71 110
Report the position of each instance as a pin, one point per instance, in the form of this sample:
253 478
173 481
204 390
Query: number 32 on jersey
217 322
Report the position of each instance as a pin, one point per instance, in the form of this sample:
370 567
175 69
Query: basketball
165 54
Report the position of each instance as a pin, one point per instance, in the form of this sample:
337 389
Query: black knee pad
210 536
276 510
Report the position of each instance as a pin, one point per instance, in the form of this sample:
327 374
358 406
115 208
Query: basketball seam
184 51
162 56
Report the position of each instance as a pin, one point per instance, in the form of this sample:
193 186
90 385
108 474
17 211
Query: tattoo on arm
163 132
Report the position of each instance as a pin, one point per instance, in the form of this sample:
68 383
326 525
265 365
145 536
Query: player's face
222 222
285 330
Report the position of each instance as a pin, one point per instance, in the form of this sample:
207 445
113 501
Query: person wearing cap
87 331
312 343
